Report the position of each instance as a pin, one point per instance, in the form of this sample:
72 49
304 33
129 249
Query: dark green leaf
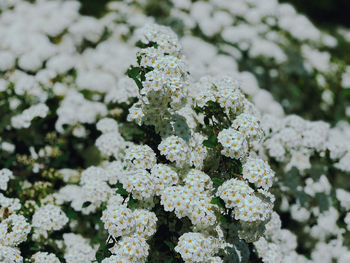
133 72
223 220
102 252
198 109
70 212
231 255
243 249
213 105
169 244
323 201
302 197
140 44
138 83
206 120
121 190
132 203
217 181
86 204
211 142
217 201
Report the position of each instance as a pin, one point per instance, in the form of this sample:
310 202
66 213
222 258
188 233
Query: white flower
175 150
44 257
24 119
48 218
234 143
14 230
258 171
5 176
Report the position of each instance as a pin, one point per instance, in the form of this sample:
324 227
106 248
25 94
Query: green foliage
102 252
211 142
217 181
218 201
121 190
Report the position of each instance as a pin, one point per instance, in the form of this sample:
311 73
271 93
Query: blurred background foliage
326 13
297 91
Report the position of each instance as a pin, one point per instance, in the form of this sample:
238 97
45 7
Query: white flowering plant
180 157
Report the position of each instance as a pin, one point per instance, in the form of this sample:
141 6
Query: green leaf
243 249
139 59
291 179
140 44
121 190
206 120
169 244
302 197
198 109
70 212
138 83
102 252
91 156
132 203
323 201
217 181
133 72
211 142
9 161
223 220
213 105
231 255
86 204
217 201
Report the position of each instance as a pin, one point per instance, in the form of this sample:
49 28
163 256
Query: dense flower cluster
182 156
48 218
41 257
196 247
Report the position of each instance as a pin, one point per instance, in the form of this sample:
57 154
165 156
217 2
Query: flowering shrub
121 142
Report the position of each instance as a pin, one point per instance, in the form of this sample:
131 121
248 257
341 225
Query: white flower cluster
278 245
234 143
247 207
44 257
48 218
165 84
126 89
139 183
293 139
5 176
163 176
140 157
52 55
186 201
131 249
24 119
258 171
177 150
76 109
122 221
110 142
94 188
224 90
78 249
196 247
14 230
10 204
10 254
